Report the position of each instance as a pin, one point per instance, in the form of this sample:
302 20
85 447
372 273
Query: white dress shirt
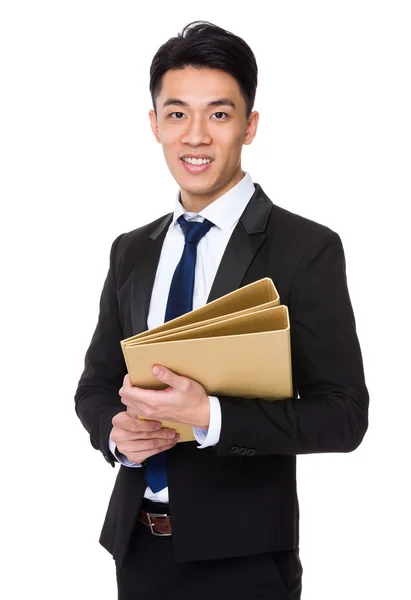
225 213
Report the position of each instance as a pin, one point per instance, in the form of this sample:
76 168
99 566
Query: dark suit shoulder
298 229
290 237
294 237
290 229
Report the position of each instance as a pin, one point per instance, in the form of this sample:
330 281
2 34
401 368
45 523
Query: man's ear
154 124
252 124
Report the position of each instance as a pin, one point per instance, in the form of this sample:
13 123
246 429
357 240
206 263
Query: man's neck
198 202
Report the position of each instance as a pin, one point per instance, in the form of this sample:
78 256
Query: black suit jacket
225 500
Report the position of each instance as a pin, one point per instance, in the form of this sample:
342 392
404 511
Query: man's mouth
196 164
196 161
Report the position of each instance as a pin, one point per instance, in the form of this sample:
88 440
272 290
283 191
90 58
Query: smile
196 165
196 161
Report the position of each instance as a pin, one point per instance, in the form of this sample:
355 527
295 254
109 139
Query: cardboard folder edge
267 282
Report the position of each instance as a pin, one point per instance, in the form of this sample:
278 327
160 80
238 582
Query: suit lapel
246 240
144 274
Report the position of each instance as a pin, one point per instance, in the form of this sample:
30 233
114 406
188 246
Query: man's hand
138 439
184 401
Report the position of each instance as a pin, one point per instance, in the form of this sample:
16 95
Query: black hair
202 44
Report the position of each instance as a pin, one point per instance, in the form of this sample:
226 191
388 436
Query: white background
79 166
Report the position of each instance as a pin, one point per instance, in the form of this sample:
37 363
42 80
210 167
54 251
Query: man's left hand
183 401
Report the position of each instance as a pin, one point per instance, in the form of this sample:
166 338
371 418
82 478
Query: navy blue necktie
180 301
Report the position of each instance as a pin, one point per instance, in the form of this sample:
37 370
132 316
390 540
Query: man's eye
177 115
219 115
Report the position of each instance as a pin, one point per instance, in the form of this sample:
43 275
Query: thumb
166 376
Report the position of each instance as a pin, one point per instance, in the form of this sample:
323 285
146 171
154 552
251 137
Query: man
230 510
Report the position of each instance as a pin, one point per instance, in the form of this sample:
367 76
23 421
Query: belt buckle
152 525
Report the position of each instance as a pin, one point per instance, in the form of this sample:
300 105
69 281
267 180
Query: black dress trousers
151 573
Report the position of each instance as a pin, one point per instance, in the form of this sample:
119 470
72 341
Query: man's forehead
206 84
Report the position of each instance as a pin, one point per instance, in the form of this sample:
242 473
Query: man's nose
196 132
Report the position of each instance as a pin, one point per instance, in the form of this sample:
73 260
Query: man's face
201 124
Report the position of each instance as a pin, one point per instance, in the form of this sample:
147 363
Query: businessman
216 518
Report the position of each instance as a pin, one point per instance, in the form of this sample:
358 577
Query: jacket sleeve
97 399
329 412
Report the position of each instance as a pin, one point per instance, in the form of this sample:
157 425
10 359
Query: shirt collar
224 211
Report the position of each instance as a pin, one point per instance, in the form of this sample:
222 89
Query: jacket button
234 449
251 452
242 451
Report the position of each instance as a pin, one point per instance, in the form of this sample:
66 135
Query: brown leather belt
159 523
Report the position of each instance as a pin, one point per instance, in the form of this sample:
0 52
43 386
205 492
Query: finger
147 445
142 456
170 378
123 435
132 450
162 434
143 424
130 394
143 419
127 385
126 421
152 444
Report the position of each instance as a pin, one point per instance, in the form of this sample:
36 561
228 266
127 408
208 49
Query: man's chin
195 188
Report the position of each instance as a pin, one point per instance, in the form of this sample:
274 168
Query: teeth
197 161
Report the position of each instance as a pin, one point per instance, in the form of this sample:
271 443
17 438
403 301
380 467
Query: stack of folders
237 345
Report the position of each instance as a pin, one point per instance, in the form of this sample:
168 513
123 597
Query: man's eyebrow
175 101
222 102
213 103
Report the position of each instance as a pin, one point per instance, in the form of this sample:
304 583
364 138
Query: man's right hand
138 439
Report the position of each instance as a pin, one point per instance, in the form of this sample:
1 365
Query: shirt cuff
121 458
209 436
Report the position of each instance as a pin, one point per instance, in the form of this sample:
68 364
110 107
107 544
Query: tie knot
194 230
